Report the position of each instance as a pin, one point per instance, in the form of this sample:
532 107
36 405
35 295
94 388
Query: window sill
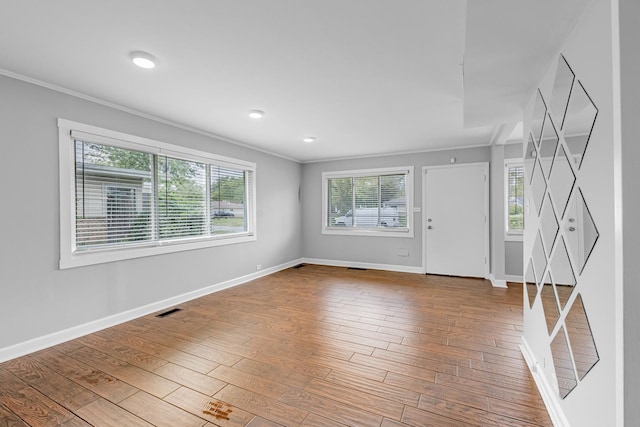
372 232
80 259
514 237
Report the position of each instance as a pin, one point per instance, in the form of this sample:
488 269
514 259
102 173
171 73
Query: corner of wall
548 393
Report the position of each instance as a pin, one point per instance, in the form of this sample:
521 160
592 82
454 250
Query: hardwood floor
310 346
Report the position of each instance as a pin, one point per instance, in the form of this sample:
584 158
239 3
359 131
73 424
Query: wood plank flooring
310 346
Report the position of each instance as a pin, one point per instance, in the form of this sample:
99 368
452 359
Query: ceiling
364 77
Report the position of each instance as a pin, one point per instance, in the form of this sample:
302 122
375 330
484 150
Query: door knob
429 227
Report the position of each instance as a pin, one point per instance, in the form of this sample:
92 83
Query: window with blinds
228 196
515 197
371 200
113 195
149 198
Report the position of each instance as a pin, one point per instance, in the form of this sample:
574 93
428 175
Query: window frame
511 235
373 232
69 131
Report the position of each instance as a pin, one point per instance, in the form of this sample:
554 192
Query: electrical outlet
258 267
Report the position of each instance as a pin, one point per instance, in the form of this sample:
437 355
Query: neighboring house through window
368 202
134 197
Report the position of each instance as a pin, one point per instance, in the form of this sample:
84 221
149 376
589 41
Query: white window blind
229 191
113 196
515 198
182 195
367 201
124 196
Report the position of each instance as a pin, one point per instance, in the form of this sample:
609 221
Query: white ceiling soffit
510 44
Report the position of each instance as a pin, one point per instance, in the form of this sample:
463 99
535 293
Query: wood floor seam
318 346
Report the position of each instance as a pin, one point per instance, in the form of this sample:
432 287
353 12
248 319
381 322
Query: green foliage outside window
515 198
179 199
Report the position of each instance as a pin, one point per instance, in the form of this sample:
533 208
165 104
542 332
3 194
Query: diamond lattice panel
581 231
563 276
548 145
561 181
531 284
530 158
539 259
562 363
561 90
539 113
581 341
579 123
549 303
538 187
548 225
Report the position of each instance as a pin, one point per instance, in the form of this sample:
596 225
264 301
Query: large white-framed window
368 202
514 199
123 196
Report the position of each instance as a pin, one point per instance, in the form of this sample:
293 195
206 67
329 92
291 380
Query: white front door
455 220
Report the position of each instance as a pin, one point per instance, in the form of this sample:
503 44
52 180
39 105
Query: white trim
81 259
80 95
487 266
55 338
511 235
618 237
513 278
513 141
69 258
397 153
497 283
354 173
549 394
367 265
124 140
370 232
502 283
514 237
138 113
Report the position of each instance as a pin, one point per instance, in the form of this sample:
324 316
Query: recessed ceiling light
143 60
308 139
256 114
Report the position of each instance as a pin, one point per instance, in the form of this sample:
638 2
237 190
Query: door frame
423 222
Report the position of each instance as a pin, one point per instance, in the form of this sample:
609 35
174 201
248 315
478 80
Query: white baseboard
497 283
547 392
513 278
367 265
43 342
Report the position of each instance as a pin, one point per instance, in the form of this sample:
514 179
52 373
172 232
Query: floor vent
356 268
299 266
169 312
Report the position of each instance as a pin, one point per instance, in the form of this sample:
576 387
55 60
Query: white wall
594 402
630 83
506 256
497 213
513 265
372 250
37 298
